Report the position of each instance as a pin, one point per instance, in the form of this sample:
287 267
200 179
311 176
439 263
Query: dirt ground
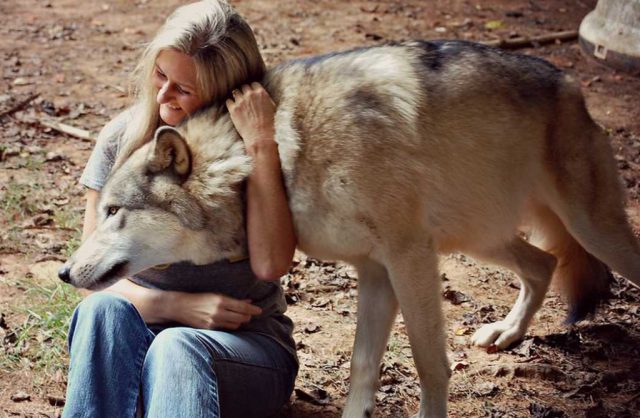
77 55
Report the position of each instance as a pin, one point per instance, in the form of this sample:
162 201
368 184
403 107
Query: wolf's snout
65 274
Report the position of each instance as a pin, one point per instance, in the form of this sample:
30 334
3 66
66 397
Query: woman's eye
182 91
112 210
160 74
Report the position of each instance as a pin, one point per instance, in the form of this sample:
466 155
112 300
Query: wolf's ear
169 150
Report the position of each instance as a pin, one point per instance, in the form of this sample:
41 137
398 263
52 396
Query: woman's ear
169 150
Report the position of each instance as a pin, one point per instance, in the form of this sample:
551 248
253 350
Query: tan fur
392 155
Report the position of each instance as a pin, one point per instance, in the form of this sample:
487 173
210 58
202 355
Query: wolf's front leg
412 264
377 309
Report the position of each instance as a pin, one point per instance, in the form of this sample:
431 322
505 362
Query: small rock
21 81
311 328
542 411
53 156
486 389
20 397
56 400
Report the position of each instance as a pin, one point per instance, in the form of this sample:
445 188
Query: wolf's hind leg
377 309
534 267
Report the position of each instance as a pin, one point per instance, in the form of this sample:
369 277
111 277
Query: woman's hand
252 112
212 311
270 233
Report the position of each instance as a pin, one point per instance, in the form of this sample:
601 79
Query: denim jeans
117 363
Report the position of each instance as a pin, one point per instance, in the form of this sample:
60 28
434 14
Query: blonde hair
225 53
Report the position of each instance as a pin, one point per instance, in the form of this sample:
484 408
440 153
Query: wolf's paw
358 408
501 334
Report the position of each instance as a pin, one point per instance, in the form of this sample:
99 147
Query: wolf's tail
585 222
582 279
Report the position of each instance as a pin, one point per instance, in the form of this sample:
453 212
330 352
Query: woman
185 340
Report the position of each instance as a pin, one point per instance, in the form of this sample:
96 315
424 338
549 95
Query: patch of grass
67 218
40 342
32 164
17 200
72 244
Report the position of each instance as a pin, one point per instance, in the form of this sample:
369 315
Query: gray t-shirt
234 279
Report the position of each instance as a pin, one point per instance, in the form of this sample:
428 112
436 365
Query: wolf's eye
112 210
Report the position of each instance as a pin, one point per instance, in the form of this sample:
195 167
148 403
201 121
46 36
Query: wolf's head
177 198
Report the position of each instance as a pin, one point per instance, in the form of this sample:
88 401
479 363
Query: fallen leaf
61 201
454 296
493 24
525 348
462 331
316 396
320 302
374 36
460 365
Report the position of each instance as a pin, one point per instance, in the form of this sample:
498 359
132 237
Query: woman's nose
163 94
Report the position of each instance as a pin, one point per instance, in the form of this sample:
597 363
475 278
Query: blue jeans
117 363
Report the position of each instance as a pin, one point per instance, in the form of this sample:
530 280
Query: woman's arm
270 231
198 310
90 212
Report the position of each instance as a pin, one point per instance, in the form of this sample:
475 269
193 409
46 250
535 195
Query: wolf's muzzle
65 274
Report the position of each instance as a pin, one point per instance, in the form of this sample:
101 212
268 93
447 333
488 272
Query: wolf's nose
65 274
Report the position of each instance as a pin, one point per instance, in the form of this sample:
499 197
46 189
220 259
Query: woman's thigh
254 375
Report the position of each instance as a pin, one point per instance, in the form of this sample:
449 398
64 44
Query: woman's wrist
263 147
169 307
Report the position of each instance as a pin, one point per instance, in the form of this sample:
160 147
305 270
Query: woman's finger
234 317
241 307
246 89
228 325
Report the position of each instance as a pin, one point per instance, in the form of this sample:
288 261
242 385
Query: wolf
392 155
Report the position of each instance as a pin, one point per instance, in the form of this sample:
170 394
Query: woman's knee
105 305
105 312
176 351
175 342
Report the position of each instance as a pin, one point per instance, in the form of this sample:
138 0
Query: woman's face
175 78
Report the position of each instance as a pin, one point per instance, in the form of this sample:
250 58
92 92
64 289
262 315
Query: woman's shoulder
113 131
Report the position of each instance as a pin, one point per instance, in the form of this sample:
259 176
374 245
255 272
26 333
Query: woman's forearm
270 229
155 306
